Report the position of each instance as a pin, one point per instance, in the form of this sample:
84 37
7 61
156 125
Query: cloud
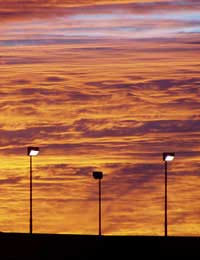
90 128
54 79
36 5
159 84
41 42
21 82
23 136
12 180
129 19
14 60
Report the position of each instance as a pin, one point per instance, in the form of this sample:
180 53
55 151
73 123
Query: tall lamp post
167 157
99 175
31 151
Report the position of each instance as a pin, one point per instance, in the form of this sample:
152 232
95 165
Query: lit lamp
98 176
31 151
167 157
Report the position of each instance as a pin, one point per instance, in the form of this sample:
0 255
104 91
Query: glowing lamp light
33 151
168 157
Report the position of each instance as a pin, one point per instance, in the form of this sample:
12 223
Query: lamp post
31 151
99 175
167 157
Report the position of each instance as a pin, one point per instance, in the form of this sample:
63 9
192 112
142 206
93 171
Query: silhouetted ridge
49 246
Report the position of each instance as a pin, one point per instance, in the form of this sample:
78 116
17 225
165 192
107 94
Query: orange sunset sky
100 85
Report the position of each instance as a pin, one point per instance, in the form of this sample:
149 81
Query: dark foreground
40 246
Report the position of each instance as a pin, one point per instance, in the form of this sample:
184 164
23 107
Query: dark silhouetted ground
42 246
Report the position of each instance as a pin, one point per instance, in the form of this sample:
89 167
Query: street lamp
31 151
167 157
99 175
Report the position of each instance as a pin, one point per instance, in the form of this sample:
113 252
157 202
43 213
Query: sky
104 85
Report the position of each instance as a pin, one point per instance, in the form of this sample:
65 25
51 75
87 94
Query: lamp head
168 157
33 151
98 175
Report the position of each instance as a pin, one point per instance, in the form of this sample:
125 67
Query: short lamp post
167 157
31 151
99 176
